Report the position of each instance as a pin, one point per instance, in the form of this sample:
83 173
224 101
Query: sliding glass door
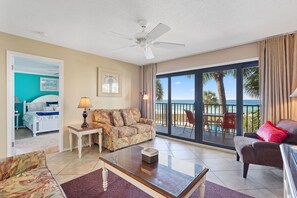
219 106
209 105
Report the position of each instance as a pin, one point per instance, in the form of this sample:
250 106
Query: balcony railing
213 113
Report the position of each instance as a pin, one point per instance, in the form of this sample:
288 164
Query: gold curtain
148 73
278 67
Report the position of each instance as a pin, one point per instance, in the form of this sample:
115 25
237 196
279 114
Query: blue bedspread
47 113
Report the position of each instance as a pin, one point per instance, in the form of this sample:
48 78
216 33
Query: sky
183 88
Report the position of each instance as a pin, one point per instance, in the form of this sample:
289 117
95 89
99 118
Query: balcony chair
191 121
251 150
227 124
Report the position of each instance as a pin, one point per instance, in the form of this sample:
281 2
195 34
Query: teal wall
27 87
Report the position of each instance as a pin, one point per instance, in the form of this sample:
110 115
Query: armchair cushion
291 127
270 133
15 165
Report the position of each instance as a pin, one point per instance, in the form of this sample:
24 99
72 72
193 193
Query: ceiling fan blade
119 35
148 52
122 48
158 31
168 45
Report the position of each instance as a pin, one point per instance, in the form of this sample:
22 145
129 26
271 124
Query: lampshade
145 97
84 103
294 94
16 100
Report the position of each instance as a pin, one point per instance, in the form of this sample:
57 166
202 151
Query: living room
86 38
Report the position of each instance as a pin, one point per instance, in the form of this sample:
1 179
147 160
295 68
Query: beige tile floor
261 182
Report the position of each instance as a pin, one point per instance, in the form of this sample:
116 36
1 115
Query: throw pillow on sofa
128 117
117 119
268 132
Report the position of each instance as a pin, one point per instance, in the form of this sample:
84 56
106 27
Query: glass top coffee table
169 177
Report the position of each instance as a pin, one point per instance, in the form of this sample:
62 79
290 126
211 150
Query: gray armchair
251 150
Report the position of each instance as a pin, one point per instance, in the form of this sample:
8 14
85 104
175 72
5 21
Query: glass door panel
219 107
161 108
182 106
251 102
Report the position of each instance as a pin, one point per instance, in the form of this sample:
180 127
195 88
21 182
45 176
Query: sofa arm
251 135
266 145
107 129
147 121
18 164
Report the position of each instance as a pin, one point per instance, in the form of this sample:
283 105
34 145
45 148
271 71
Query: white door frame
10 97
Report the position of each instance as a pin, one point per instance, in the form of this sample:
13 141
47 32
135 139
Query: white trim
198 144
211 65
10 96
36 73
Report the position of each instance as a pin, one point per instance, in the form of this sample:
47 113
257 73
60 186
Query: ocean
179 105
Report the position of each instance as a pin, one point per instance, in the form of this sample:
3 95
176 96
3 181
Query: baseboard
198 144
68 148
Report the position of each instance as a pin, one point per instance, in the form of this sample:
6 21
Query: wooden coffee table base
200 184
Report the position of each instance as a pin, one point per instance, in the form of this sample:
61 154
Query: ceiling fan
147 40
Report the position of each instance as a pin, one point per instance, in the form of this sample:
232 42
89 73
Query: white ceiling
36 66
203 25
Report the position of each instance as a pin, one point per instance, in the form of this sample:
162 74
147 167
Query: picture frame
108 83
49 84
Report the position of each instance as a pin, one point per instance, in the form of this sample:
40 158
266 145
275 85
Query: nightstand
79 132
16 115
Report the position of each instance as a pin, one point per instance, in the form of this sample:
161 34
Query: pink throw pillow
268 132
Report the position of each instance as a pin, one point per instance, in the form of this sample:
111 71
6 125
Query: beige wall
79 80
210 59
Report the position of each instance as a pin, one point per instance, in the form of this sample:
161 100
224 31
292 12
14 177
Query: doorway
34 103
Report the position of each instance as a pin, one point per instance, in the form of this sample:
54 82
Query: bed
42 114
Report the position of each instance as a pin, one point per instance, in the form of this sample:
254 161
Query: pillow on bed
36 106
52 103
48 108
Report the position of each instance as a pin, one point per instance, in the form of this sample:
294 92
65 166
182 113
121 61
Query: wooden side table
79 132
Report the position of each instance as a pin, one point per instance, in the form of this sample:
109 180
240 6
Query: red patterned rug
90 185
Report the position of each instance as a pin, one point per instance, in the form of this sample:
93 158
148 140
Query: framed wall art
108 83
49 84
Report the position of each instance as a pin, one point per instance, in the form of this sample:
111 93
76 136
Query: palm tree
251 81
210 97
159 90
219 78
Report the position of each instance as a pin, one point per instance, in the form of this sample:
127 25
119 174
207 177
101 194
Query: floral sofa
122 128
27 176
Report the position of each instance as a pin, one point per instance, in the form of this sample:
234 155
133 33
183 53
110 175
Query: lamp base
84 125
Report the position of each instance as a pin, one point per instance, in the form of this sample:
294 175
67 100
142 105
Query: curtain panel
278 78
148 73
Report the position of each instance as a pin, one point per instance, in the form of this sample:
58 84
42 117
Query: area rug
90 185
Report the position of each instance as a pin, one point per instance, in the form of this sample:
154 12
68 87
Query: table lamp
16 101
84 103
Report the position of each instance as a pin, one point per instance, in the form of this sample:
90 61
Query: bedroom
36 88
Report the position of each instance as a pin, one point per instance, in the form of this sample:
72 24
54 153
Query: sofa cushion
117 118
37 182
142 128
270 133
103 116
291 127
125 131
128 117
136 114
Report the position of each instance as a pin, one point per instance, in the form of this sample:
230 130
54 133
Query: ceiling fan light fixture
148 52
